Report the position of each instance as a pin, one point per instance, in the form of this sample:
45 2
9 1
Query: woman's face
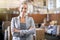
24 8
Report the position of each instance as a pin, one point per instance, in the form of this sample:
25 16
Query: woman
22 27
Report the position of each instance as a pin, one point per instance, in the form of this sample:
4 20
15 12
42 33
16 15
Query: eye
24 8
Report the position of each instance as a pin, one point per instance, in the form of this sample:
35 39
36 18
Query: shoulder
30 18
14 18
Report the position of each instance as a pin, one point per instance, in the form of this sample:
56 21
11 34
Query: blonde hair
24 2
22 6
53 22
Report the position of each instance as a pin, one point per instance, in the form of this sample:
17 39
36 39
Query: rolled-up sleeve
31 31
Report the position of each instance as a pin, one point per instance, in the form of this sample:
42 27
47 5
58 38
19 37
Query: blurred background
42 11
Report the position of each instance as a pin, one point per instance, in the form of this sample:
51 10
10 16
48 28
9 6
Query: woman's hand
16 30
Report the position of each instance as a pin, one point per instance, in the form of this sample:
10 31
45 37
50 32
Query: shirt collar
20 16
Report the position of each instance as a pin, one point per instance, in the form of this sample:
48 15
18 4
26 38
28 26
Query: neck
22 16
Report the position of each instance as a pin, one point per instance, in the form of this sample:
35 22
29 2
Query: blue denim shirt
52 29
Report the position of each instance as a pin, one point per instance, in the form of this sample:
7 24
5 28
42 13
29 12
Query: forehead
24 6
